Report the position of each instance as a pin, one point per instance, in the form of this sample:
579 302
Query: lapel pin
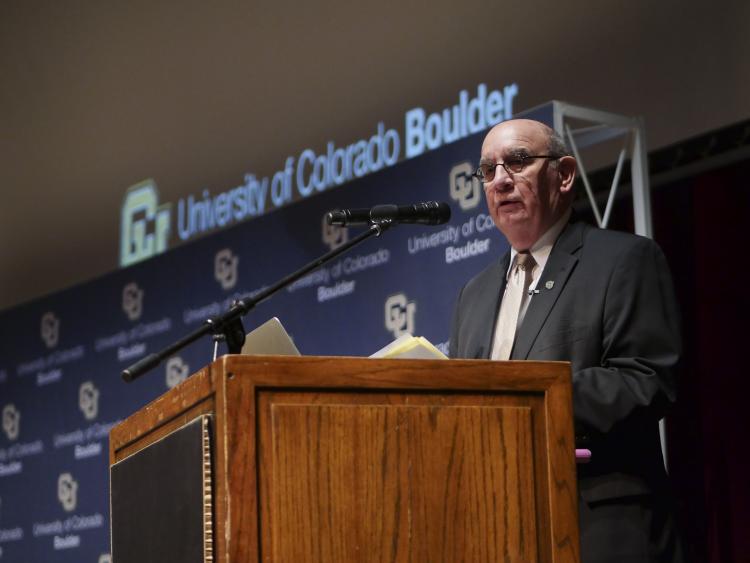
550 284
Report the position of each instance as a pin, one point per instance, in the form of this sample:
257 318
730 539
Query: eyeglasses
514 165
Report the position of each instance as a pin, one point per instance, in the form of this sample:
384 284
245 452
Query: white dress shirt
540 251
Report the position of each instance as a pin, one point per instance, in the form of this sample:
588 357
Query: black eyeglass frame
511 166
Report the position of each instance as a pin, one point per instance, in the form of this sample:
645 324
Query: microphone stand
229 325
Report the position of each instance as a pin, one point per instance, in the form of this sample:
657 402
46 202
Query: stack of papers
272 339
410 347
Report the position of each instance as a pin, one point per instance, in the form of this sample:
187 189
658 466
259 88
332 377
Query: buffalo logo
177 371
399 314
50 329
132 301
464 188
334 235
67 491
11 421
225 268
88 400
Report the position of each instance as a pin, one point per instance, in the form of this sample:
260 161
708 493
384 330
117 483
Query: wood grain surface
349 459
401 483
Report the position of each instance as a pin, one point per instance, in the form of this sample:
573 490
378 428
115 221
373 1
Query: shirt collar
541 249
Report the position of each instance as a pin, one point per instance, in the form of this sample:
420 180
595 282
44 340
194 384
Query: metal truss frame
604 126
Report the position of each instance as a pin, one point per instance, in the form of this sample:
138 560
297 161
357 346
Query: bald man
602 300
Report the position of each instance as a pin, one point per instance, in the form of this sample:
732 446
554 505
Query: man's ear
566 170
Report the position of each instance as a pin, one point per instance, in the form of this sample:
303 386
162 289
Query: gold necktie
507 322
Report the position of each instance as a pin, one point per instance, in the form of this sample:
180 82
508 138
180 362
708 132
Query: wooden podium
344 459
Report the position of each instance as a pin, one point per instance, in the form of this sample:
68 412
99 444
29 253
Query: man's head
528 195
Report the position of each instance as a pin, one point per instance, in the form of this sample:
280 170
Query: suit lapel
487 316
560 264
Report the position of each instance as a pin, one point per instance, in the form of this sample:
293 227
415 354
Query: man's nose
502 180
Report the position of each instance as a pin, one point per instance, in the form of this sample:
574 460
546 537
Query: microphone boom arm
229 323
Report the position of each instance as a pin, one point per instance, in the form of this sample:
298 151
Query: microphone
426 213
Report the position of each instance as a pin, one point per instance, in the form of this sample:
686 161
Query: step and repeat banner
61 356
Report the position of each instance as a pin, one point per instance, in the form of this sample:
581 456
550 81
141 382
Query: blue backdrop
61 356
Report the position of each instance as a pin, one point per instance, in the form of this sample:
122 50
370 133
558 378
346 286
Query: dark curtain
703 223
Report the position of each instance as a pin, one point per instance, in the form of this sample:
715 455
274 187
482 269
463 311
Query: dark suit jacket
611 312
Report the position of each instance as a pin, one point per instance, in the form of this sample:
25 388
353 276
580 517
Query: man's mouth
511 202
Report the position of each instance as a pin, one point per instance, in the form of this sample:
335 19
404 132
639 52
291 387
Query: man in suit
602 300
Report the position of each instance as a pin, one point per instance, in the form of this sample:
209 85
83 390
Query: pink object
583 455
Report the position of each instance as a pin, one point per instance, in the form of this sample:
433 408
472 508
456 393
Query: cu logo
144 224
50 329
334 235
225 268
132 301
11 421
177 371
88 400
67 491
464 188
399 315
